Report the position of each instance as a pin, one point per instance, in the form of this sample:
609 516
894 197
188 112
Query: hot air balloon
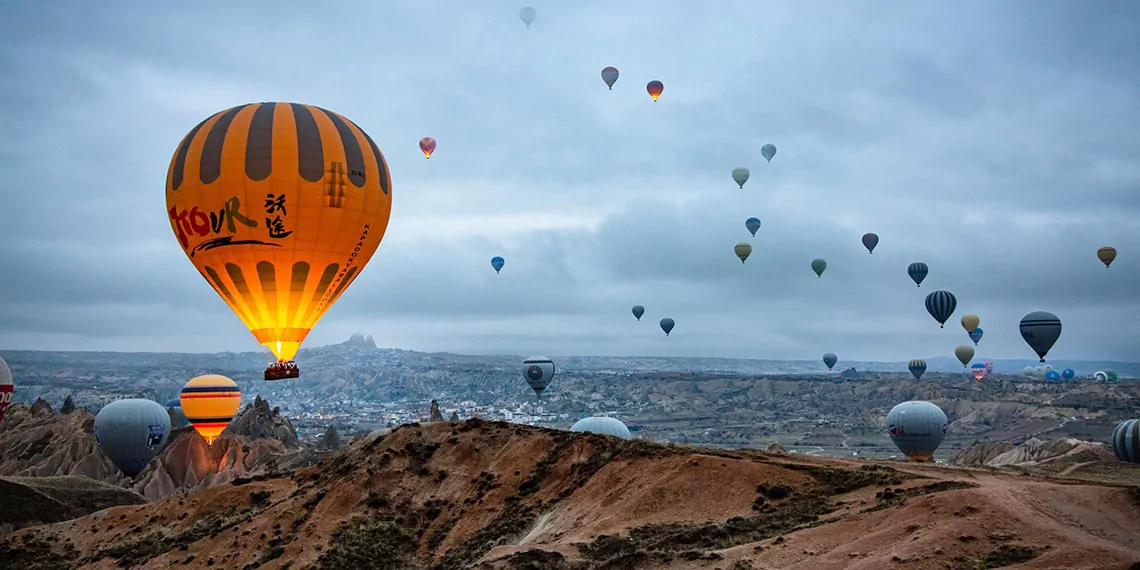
638 310
527 15
177 418
1100 376
538 372
917 272
210 402
964 353
1112 377
1047 367
818 266
976 335
322 189
1040 330
427 145
870 241
1038 371
1068 374
740 175
667 325
130 432
970 322
979 370
917 428
497 263
6 388
1028 371
610 76
753 225
940 305
768 151
655 88
602 425
989 367
830 359
743 250
1126 441
1106 255
1053 375
917 367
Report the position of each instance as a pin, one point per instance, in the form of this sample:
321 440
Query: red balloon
655 88
427 144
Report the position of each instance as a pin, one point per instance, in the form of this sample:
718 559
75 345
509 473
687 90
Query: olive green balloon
743 250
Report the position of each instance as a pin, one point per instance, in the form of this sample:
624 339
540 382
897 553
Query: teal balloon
740 175
131 432
768 150
667 325
830 359
638 310
602 425
753 225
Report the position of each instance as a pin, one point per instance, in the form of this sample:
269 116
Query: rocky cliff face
435 415
1033 452
259 421
32 501
35 442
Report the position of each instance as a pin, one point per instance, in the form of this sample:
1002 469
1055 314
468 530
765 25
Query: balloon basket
282 371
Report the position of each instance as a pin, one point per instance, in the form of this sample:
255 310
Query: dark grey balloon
667 325
917 428
602 425
1126 441
1040 329
638 310
538 372
131 432
830 359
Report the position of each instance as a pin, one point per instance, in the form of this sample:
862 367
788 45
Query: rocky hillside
491 495
32 501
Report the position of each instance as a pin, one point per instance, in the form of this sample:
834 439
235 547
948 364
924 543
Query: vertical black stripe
322 287
180 161
352 154
214 278
381 167
297 288
343 283
259 143
211 165
310 153
242 287
267 275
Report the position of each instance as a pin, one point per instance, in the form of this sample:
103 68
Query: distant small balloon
497 263
1100 376
768 151
870 241
970 322
740 175
655 88
1106 255
917 272
818 266
1040 329
979 371
427 145
917 428
830 359
638 310
743 250
538 371
917 368
940 305
1068 374
610 76
6 388
965 354
977 335
667 325
753 225
1053 375
527 15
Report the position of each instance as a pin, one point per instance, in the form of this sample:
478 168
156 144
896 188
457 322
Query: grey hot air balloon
527 15
830 359
667 325
1040 330
940 305
538 372
917 428
602 425
818 266
740 175
1126 441
130 432
768 151
610 76
638 310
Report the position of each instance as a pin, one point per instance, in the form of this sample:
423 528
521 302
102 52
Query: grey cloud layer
994 143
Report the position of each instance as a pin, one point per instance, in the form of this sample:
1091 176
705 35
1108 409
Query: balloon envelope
1126 441
602 425
210 402
638 310
1106 254
917 367
527 15
1053 375
970 322
742 250
497 263
1040 329
538 371
976 335
870 241
1068 374
427 146
753 225
667 325
610 76
830 359
1100 376
655 88
940 305
740 175
130 432
6 388
979 371
818 266
279 206
917 272
768 151
917 428
964 354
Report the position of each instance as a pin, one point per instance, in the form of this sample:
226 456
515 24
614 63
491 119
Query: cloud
997 145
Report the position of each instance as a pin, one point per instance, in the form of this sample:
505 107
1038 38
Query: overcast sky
996 141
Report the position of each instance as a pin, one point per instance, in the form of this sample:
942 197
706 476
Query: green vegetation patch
159 542
370 543
838 481
1005 555
34 553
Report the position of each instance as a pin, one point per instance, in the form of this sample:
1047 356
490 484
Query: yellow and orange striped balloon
209 403
279 206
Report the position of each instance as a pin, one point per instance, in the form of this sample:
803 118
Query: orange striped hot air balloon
279 206
209 403
655 88
427 145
